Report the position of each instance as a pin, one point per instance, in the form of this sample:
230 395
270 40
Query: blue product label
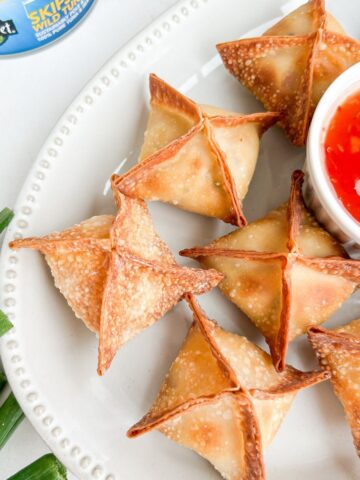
29 24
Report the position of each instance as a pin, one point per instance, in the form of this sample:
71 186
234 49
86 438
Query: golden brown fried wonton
223 398
284 271
199 158
339 353
117 275
292 64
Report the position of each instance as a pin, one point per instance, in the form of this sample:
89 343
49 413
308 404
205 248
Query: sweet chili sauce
342 154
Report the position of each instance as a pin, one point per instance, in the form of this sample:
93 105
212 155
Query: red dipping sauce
342 154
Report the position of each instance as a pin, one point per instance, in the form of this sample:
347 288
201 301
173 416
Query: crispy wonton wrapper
223 398
284 271
199 158
339 353
117 275
292 64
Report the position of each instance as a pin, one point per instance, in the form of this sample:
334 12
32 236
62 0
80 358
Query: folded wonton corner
199 158
292 64
117 275
284 271
223 398
339 353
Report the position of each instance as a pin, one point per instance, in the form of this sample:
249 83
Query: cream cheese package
29 24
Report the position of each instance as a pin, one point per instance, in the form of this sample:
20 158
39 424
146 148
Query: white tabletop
35 90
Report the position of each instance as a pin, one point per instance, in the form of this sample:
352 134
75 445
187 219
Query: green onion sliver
47 467
10 417
3 381
6 215
5 324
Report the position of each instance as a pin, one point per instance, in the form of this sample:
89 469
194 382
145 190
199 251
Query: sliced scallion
5 324
6 216
47 467
10 417
2 381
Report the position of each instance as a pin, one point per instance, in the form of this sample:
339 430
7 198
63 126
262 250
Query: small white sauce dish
320 195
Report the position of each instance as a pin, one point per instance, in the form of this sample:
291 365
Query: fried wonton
223 398
198 158
117 275
293 63
339 353
284 271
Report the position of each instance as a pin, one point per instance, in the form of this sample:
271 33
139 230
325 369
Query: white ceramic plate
50 357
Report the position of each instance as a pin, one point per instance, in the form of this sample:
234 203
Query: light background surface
35 90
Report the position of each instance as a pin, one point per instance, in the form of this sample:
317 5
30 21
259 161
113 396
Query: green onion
10 417
2 381
6 216
47 467
5 323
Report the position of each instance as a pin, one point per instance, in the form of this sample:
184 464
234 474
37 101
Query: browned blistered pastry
117 275
339 353
293 63
284 271
198 158
224 399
